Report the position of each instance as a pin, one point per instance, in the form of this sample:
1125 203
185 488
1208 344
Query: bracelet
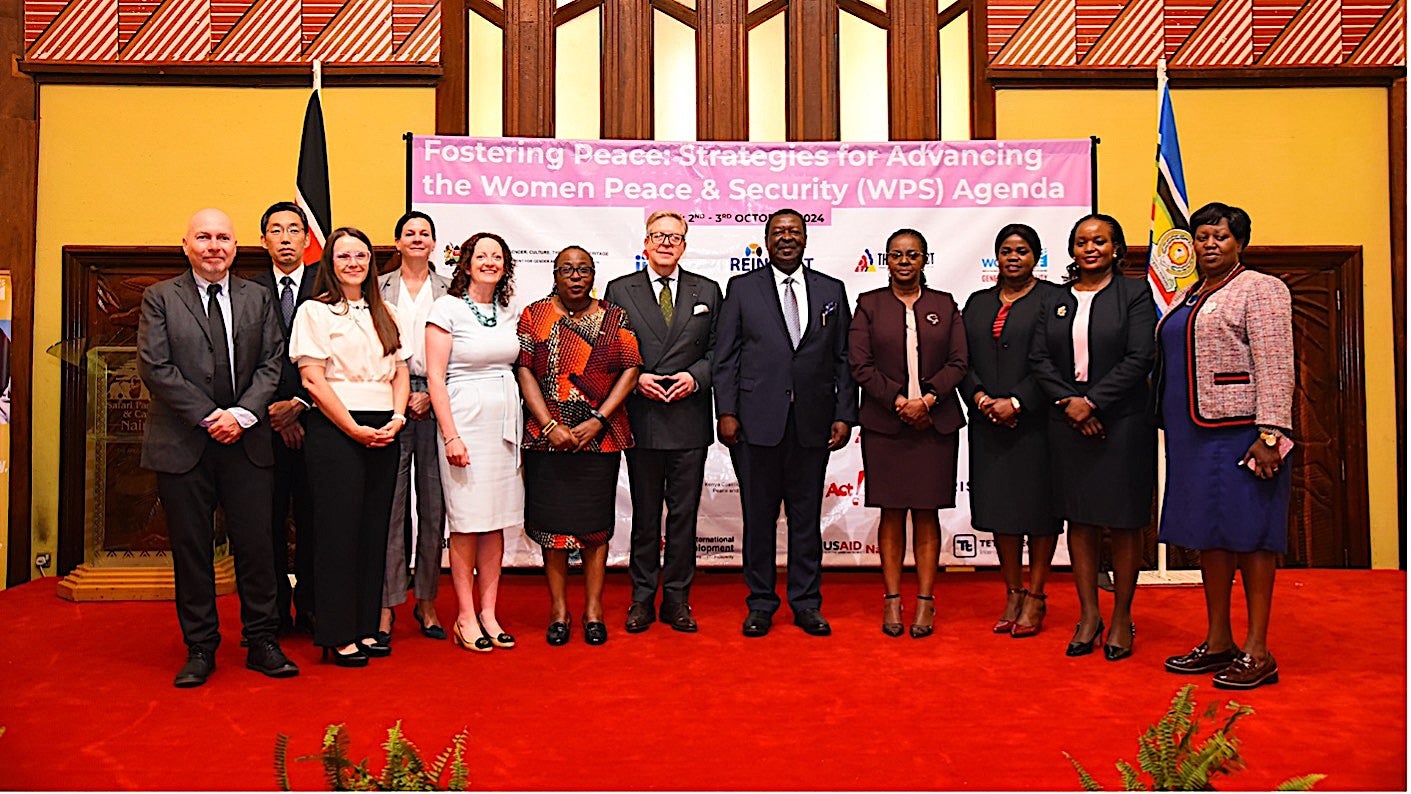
553 423
598 415
453 438
401 417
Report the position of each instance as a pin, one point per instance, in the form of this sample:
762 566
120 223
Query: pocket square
700 308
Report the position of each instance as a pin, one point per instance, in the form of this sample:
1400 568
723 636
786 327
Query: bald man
209 351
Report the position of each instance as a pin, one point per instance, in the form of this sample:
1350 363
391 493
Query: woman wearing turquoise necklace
470 347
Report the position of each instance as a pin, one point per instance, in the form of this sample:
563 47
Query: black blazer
877 351
687 346
290 384
1000 367
176 361
758 374
1121 346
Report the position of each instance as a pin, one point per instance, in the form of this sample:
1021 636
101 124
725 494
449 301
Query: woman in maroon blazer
907 350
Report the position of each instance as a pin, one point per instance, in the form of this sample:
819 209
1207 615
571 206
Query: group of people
335 391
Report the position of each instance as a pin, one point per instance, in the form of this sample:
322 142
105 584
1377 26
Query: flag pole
318 75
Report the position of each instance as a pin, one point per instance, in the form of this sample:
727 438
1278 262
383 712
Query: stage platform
87 703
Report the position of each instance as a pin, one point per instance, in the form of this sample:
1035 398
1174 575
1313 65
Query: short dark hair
407 216
1119 241
1023 231
283 206
909 233
786 211
1214 212
460 282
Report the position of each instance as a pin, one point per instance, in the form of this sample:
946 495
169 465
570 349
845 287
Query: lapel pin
1062 311
933 318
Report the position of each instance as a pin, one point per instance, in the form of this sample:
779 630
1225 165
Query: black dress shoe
757 623
639 617
812 622
1201 660
354 659
595 632
432 632
374 647
559 631
200 663
266 657
1076 648
1116 653
678 616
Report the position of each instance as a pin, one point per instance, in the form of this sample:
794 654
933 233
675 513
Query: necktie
791 312
286 300
667 309
225 381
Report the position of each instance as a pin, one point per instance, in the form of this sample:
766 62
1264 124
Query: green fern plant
1171 760
403 769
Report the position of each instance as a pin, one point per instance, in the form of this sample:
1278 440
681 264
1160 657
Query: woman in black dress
1010 492
906 346
1092 351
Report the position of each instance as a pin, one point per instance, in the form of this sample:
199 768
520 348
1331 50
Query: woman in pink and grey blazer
1224 384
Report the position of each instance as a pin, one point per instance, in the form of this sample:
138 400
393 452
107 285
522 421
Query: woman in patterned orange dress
578 361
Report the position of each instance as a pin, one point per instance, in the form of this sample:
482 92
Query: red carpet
87 701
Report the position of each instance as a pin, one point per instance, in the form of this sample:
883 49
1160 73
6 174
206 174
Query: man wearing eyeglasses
284 233
673 312
785 399
208 351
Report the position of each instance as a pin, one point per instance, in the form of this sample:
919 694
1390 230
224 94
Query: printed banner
6 304
544 194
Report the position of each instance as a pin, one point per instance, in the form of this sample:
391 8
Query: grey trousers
417 441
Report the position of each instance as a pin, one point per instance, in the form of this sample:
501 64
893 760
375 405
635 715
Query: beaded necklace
488 322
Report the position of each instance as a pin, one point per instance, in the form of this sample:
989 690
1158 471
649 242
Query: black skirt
570 493
912 469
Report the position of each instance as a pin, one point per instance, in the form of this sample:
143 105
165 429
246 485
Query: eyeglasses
575 270
910 256
346 256
670 238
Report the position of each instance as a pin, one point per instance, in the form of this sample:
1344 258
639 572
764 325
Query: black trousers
352 492
224 476
291 491
791 474
673 477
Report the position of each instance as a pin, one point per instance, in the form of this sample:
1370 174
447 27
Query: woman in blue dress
1224 381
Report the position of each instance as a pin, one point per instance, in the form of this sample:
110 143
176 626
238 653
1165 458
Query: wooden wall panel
811 104
722 62
913 71
627 70
529 68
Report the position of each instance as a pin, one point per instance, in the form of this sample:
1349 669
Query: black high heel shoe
1076 648
1116 653
373 647
433 632
355 659
504 640
925 621
891 614
559 631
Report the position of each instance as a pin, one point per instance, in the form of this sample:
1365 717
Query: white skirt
488 494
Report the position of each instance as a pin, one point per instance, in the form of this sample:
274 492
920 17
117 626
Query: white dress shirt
800 286
244 417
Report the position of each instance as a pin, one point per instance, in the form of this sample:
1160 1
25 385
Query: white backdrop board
544 194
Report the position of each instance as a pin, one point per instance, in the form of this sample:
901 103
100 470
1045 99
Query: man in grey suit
284 233
785 399
673 313
412 288
209 352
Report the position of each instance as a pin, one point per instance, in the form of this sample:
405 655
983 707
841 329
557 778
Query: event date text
751 217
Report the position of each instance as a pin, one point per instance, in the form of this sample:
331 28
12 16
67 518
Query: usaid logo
640 262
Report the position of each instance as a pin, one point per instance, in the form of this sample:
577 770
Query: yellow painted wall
1310 167
128 166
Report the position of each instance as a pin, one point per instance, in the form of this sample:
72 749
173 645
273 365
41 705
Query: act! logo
752 258
867 263
640 263
847 490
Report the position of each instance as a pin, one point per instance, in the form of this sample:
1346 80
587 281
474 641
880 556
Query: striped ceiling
1077 33
1196 33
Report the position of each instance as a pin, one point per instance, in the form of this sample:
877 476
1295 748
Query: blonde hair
659 214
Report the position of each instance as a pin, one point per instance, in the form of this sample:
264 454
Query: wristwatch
1014 401
1269 437
598 416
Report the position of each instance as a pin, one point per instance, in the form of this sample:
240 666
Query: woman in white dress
471 346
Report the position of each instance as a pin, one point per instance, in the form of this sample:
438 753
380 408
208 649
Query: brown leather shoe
1246 672
678 616
639 617
1201 660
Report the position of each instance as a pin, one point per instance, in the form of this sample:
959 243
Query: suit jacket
877 351
176 361
1121 346
686 346
1239 347
391 286
758 374
290 383
1000 367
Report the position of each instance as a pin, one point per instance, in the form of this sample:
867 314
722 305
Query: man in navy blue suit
784 399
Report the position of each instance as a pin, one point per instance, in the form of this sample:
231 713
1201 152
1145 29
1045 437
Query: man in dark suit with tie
785 399
209 353
284 233
673 313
